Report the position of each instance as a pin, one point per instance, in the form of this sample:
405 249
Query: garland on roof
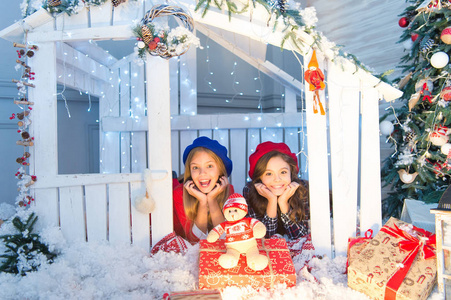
69 7
286 11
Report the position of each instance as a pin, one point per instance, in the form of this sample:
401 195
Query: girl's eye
268 174
210 166
284 172
194 168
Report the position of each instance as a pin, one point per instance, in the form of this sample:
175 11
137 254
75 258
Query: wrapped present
194 295
357 244
279 270
398 263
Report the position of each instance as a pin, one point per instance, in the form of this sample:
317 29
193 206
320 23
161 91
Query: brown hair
191 203
296 202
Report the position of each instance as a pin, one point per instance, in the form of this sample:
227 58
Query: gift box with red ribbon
398 263
357 244
280 269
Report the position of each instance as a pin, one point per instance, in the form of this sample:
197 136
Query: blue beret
214 146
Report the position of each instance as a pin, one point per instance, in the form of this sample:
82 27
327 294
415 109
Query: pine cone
117 2
282 5
54 2
410 136
147 35
427 45
161 49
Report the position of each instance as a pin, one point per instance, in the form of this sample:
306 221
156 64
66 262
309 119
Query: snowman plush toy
241 233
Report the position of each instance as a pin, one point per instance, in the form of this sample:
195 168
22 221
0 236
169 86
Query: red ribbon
424 242
368 235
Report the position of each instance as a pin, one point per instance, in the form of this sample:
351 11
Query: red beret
265 148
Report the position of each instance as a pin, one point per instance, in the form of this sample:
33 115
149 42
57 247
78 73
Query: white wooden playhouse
341 149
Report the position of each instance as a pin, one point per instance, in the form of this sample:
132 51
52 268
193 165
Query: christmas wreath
165 42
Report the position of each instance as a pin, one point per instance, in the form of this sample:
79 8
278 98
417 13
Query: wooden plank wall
97 207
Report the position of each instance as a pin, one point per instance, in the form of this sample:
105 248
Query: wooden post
318 172
370 169
344 100
44 154
159 143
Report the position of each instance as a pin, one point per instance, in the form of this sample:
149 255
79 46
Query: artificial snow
106 271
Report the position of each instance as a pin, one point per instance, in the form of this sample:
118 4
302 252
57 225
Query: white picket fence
338 152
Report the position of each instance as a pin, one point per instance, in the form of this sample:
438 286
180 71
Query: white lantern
439 59
443 238
386 128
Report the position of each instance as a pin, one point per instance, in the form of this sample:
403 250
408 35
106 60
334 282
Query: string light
209 72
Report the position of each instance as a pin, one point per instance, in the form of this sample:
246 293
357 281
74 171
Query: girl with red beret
276 196
199 200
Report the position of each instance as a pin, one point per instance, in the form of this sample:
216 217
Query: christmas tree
420 166
24 250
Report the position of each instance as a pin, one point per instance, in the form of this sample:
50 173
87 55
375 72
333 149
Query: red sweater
182 226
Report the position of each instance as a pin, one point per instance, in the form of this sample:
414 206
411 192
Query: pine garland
413 149
25 252
72 6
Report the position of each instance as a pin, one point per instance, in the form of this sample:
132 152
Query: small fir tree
420 166
24 250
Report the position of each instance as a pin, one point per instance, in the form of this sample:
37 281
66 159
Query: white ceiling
367 28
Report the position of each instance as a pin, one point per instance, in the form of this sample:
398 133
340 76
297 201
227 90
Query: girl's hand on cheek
265 192
289 192
192 189
219 187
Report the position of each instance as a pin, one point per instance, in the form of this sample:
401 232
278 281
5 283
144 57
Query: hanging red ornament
445 36
315 77
426 93
403 22
414 36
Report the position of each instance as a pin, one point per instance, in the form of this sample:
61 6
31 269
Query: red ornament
403 22
152 45
156 39
414 36
446 93
445 36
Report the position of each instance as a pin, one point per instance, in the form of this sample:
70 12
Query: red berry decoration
403 22
152 45
414 37
156 39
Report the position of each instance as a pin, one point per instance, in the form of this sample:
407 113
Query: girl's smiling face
277 175
204 171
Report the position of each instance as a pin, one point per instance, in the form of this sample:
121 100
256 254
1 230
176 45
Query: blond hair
190 203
